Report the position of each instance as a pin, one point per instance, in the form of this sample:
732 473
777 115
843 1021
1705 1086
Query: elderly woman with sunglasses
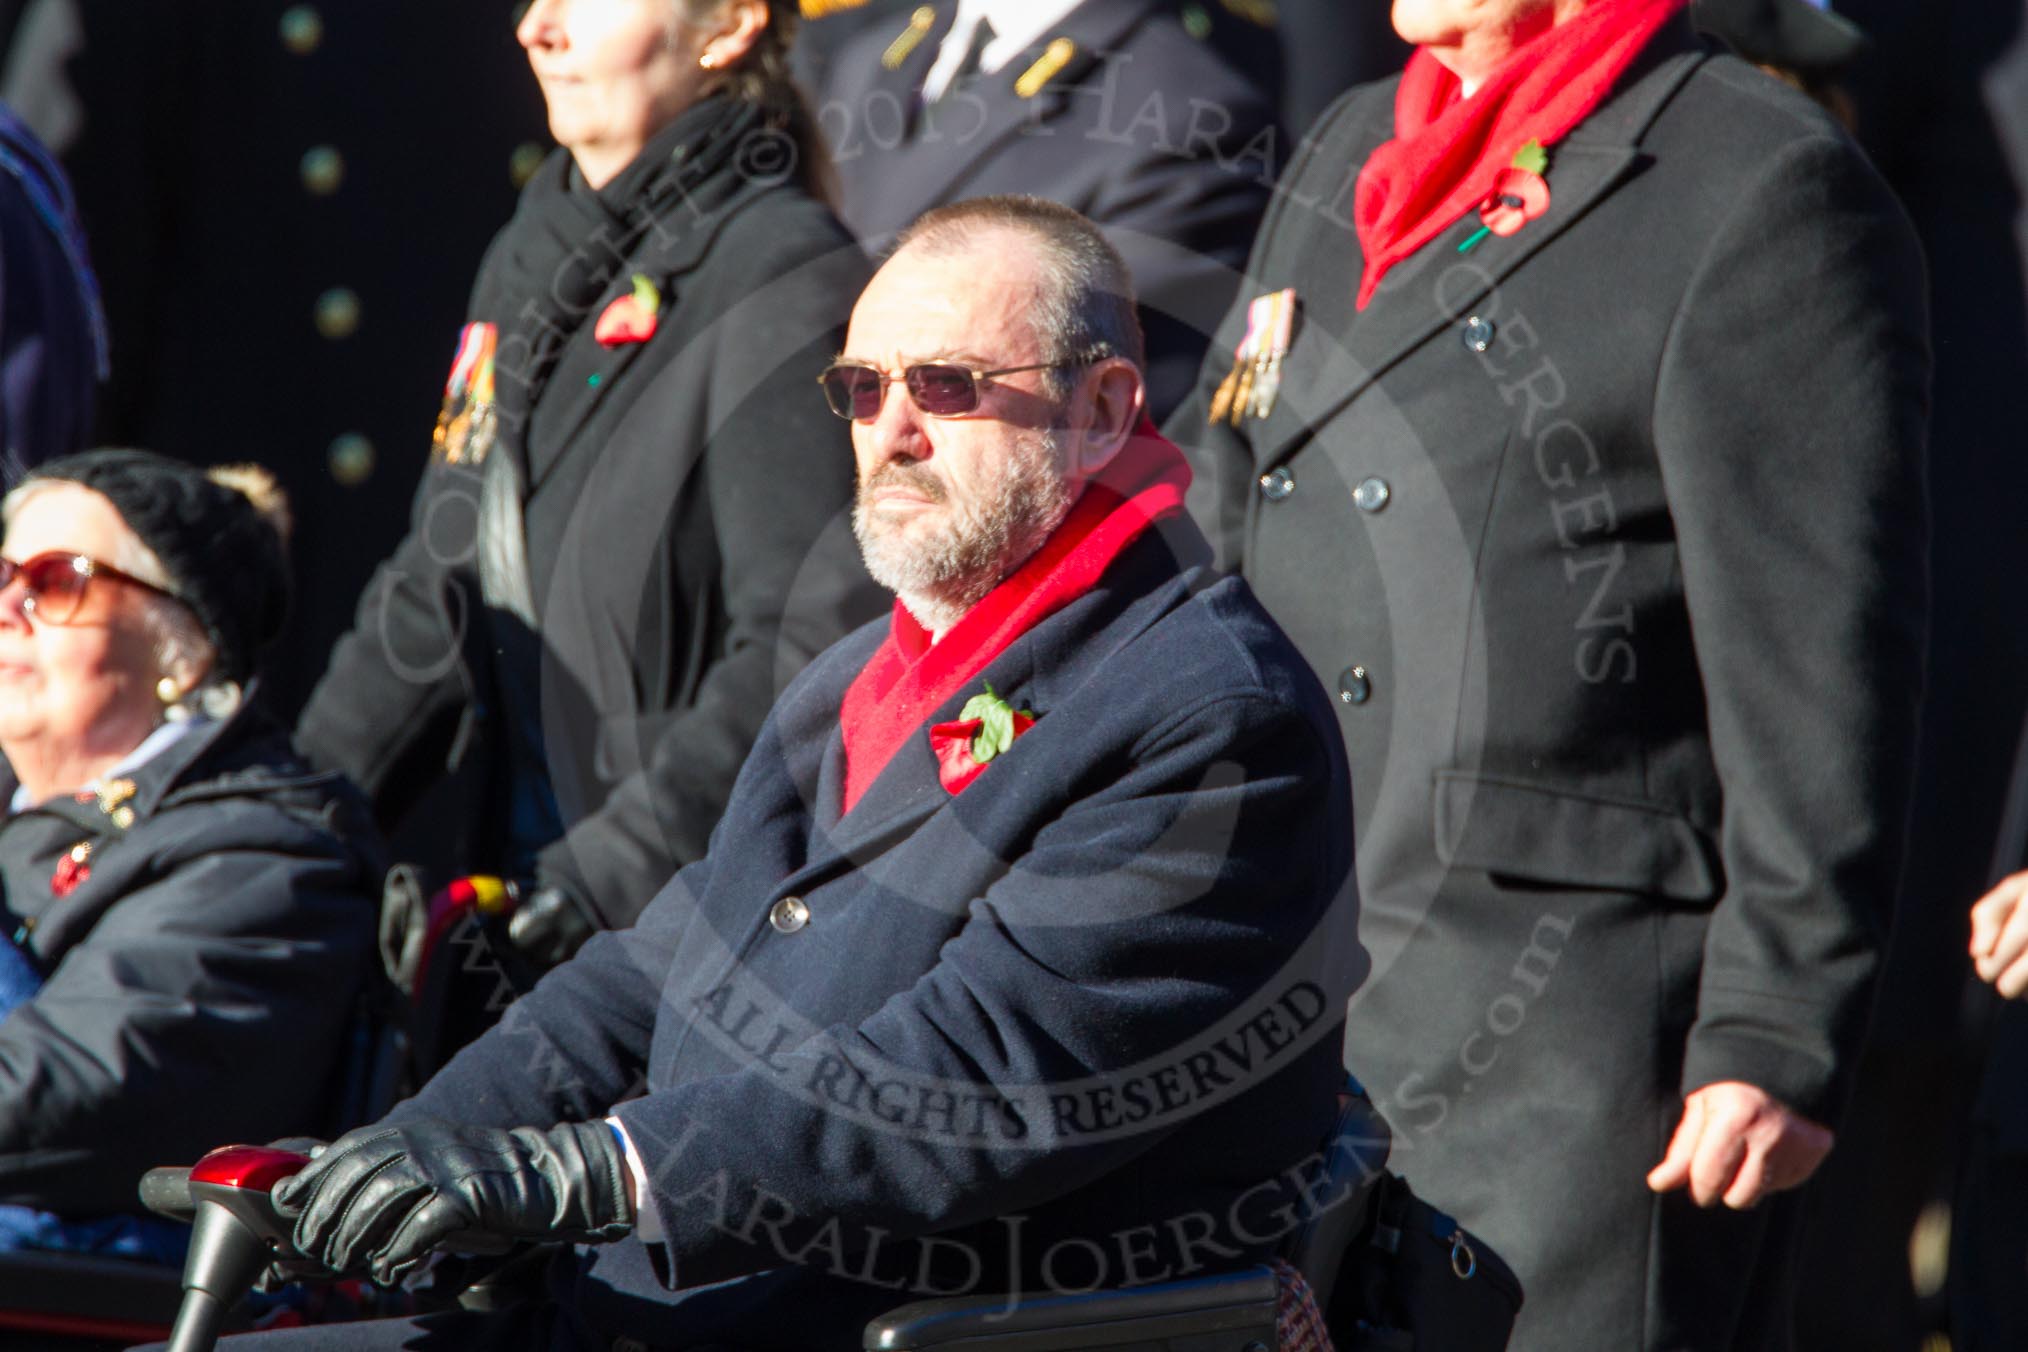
188 909
634 529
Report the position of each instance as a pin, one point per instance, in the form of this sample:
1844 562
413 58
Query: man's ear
1110 402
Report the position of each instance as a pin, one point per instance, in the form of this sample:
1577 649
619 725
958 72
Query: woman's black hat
220 534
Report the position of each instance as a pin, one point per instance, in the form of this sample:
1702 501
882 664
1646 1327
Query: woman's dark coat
1609 539
203 981
687 544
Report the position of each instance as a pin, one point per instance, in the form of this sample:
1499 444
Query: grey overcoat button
1354 685
789 915
1277 484
1478 334
1371 495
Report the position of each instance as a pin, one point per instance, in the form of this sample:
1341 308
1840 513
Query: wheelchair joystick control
227 1198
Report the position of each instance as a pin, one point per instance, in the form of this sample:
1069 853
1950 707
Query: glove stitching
358 1192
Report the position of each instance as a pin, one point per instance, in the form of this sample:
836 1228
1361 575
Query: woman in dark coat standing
1587 475
635 523
189 908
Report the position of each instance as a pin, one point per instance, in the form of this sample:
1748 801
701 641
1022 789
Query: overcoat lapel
908 790
587 373
1348 350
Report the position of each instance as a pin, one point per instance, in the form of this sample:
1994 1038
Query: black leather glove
381 1199
287 1269
548 924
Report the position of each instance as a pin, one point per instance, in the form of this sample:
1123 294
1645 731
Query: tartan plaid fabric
1299 1324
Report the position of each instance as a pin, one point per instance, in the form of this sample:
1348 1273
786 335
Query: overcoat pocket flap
1551 835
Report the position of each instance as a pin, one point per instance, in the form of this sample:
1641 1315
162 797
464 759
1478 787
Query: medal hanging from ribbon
467 422
1256 375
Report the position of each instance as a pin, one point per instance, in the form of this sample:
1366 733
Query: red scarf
1447 149
909 678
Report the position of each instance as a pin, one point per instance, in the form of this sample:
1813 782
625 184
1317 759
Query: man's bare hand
1737 1144
2000 937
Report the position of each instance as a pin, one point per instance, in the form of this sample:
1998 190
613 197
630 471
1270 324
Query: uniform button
1277 484
1478 334
789 915
302 29
1371 495
323 170
1354 685
338 313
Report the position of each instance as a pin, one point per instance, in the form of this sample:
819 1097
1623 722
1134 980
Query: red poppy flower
954 745
632 318
71 872
1519 196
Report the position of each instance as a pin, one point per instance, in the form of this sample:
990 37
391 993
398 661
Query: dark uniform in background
1327 47
1118 111
286 202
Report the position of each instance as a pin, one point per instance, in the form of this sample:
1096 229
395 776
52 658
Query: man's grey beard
944 573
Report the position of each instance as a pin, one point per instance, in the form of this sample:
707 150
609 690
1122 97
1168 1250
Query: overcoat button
629 1345
1371 495
1277 484
789 915
1478 334
1354 685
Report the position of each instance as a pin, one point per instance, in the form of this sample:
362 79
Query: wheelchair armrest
1234 1310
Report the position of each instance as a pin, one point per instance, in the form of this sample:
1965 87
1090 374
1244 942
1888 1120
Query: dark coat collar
242 754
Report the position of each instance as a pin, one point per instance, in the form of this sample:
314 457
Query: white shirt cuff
647 1220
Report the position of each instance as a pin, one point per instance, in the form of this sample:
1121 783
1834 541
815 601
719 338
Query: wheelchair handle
237 1231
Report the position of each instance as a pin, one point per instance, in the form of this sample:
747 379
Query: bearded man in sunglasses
1016 962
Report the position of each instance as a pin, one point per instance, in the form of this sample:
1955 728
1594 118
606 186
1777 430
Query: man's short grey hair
1086 312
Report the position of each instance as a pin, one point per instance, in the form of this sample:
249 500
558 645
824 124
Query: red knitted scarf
1447 149
909 678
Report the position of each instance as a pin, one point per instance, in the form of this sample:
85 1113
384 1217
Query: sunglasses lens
941 390
55 585
853 392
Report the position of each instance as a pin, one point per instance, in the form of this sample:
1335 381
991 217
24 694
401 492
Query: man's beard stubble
942 568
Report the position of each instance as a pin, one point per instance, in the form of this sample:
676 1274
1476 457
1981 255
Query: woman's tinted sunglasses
57 583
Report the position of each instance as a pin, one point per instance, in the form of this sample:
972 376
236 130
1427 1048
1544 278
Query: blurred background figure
189 911
1117 108
615 559
1989 1246
284 199
52 330
1327 47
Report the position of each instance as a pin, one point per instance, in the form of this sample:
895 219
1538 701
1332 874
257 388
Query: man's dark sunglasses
942 389
57 583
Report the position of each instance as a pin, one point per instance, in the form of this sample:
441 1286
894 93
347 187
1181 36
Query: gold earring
167 690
